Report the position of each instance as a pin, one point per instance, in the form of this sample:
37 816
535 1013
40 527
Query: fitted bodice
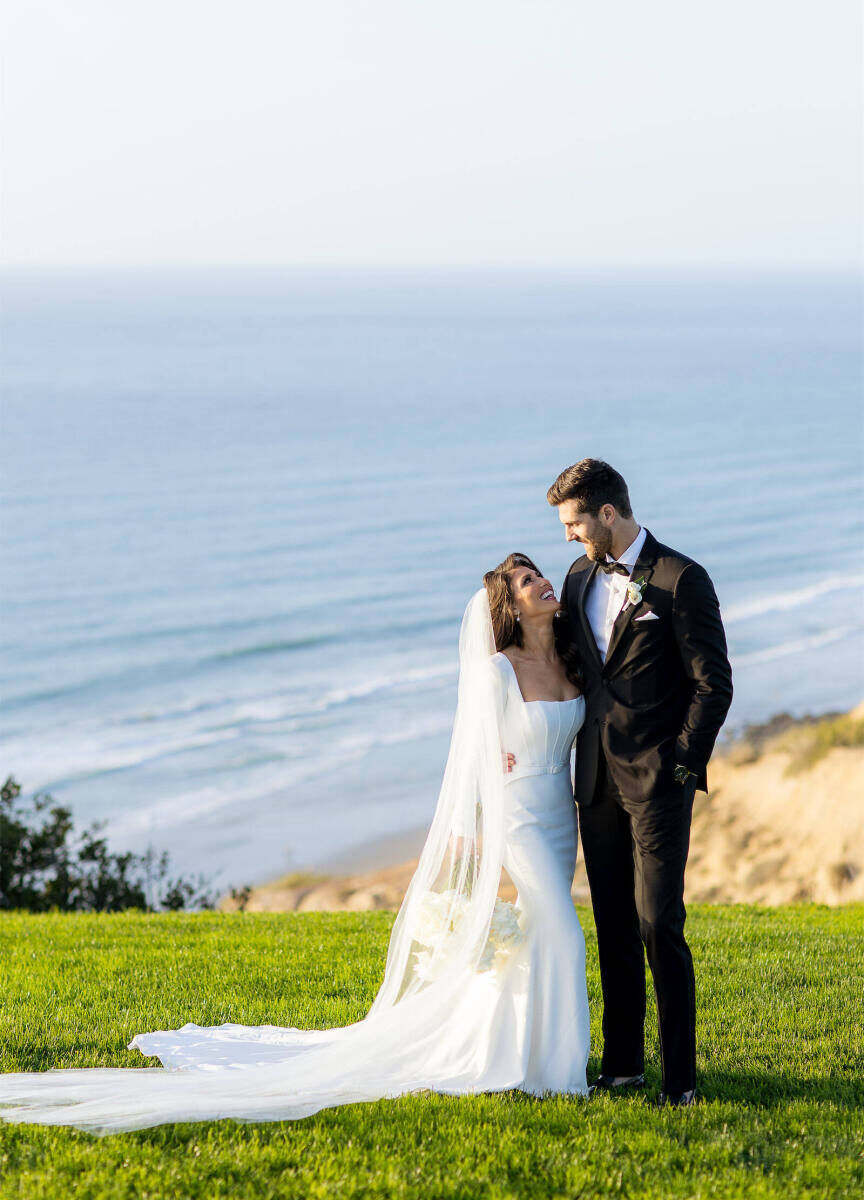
539 733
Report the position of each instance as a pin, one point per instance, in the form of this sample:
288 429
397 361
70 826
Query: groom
657 688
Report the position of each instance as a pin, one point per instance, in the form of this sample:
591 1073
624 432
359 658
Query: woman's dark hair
591 483
508 631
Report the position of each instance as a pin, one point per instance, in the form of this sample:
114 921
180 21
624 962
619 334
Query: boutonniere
635 588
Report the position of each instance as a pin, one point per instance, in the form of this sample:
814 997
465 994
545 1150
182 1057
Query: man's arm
702 646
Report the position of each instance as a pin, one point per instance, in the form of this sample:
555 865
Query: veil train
439 940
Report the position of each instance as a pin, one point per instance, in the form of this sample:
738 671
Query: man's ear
608 512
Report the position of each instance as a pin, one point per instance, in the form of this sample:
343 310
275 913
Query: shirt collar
631 554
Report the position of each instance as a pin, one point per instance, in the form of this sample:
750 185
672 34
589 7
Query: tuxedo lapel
642 570
588 578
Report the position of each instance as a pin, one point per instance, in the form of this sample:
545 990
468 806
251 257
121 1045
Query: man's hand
682 774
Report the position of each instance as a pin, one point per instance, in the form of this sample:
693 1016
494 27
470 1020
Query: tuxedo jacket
666 686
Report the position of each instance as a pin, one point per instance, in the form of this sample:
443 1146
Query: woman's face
533 594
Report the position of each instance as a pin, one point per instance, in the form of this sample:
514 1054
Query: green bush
44 866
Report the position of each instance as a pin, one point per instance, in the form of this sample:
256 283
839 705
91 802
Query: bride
477 995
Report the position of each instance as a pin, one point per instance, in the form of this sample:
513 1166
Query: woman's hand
508 761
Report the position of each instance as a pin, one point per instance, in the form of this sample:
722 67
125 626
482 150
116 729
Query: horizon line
465 268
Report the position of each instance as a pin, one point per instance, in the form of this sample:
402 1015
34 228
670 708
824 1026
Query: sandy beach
783 822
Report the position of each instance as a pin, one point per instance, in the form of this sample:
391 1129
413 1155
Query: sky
450 133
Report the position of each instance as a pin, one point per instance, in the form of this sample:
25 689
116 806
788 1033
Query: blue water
243 511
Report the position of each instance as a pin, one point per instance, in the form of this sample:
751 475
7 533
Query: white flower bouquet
439 913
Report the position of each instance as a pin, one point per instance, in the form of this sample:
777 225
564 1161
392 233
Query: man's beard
599 546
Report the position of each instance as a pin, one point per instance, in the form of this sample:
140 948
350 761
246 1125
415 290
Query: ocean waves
799 646
235 628
792 597
105 744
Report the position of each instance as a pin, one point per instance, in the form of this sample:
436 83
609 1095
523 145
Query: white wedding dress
454 1027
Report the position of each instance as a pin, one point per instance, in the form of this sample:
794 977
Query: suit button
596 720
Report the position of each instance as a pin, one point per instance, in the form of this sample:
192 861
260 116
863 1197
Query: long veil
440 942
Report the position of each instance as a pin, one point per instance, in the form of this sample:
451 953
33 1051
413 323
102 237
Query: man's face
594 533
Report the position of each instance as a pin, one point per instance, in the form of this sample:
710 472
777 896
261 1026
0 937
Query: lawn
781 1060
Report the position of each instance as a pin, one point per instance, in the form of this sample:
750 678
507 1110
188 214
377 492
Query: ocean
243 511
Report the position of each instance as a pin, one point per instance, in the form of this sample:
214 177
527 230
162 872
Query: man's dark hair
591 483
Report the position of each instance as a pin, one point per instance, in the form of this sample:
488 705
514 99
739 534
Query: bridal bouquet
440 913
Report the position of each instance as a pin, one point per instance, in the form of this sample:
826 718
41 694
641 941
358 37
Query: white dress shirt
607 594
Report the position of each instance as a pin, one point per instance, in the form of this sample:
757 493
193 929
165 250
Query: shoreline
390 850
782 821
372 854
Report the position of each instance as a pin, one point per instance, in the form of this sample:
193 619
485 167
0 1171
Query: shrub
818 740
44 865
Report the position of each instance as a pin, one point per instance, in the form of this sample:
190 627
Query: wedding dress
476 997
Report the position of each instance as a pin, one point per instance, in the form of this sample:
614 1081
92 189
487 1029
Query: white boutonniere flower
635 588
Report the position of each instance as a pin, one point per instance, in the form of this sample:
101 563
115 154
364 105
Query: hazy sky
445 132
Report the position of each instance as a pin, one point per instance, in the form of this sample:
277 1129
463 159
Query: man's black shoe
677 1099
616 1083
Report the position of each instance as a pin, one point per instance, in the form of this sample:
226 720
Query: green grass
780 1060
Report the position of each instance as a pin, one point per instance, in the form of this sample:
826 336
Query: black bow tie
614 568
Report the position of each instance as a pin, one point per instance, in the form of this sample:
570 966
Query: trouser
635 853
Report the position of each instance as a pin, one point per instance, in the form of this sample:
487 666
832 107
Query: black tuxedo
665 688
659 700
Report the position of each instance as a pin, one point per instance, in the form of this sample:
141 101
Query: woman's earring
518 617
